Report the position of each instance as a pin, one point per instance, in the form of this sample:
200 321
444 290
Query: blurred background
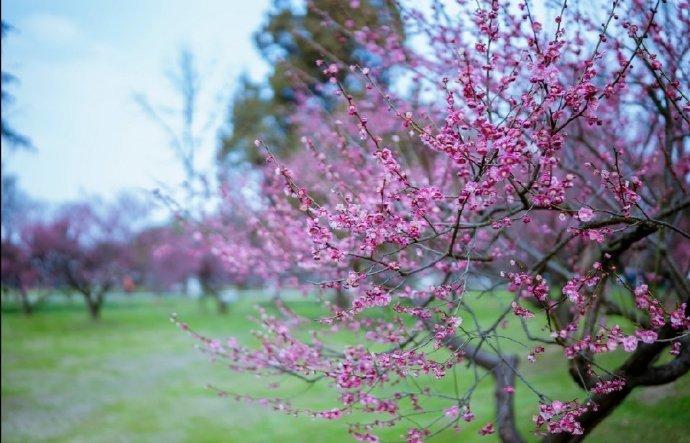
118 119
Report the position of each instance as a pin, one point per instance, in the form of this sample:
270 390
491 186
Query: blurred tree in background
13 199
10 136
291 40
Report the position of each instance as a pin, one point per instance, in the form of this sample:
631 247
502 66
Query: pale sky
79 63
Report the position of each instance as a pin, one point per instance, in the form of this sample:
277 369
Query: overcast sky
79 63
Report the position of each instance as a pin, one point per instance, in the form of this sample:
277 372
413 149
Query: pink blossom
487 429
585 214
452 412
521 312
646 336
629 343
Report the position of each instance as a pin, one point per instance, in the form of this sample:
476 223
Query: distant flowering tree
540 152
175 254
17 274
164 260
82 250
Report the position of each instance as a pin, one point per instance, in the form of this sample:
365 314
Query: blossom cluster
500 176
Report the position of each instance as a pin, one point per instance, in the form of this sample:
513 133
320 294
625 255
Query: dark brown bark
666 373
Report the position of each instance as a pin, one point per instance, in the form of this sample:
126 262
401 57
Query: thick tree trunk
94 303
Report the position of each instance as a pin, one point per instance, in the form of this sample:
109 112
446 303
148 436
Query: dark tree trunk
341 299
26 306
606 404
638 370
94 303
504 376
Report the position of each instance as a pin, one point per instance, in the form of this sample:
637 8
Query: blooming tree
174 254
164 261
534 155
17 273
82 249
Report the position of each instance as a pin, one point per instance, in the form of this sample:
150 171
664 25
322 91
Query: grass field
133 377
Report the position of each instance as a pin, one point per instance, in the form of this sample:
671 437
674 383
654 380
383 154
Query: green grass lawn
134 377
